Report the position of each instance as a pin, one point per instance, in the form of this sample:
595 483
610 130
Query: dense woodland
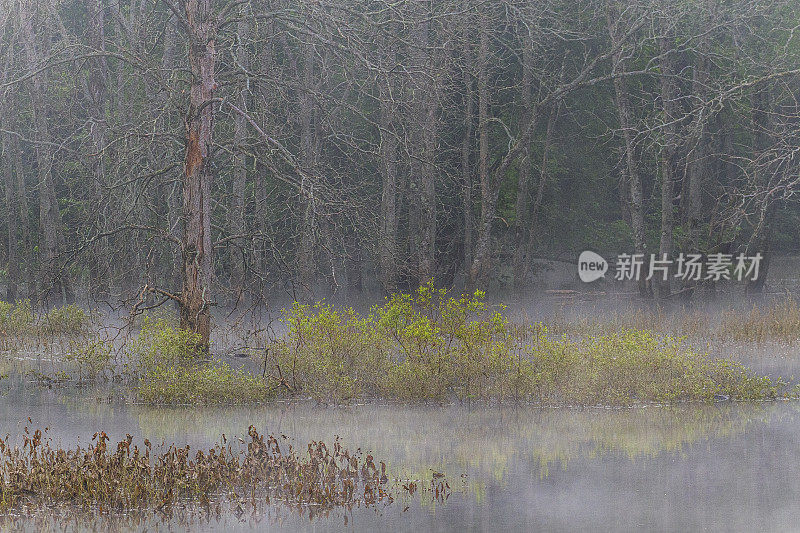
220 151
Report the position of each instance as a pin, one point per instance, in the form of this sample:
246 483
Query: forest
230 151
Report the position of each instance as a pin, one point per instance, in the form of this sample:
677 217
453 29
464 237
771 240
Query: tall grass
780 321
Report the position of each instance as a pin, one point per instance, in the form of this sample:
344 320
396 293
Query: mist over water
721 467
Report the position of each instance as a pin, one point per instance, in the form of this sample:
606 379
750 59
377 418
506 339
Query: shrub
161 344
421 346
92 359
201 383
329 354
638 366
429 346
66 320
15 318
169 371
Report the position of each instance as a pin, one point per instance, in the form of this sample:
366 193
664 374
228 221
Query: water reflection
721 466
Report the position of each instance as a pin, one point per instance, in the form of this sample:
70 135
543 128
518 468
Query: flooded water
720 467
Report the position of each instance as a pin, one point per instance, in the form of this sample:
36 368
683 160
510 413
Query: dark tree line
221 151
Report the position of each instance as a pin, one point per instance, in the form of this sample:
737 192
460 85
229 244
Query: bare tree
633 178
195 298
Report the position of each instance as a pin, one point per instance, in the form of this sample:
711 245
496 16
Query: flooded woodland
666 438
415 265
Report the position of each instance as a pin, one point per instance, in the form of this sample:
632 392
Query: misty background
350 146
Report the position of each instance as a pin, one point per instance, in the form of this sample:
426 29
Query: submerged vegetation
125 477
425 346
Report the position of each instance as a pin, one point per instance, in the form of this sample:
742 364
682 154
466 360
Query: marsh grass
779 321
127 477
686 323
68 320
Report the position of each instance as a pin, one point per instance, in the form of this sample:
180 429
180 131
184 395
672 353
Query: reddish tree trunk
197 250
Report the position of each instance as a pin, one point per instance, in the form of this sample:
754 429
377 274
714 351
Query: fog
539 258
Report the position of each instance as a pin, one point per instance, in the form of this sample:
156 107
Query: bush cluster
18 320
421 346
169 371
430 346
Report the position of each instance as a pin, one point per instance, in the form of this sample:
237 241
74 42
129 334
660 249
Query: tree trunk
478 270
22 202
197 251
54 285
668 152
387 247
236 222
174 192
306 260
423 184
97 84
634 181
698 167
466 151
522 207
12 214
761 105
532 232
12 207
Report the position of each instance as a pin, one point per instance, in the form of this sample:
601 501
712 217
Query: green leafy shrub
161 344
430 346
92 359
449 345
66 320
329 354
421 346
169 371
202 383
16 318
638 366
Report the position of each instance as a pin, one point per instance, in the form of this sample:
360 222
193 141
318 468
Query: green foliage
201 383
332 355
161 344
421 346
66 320
92 359
638 366
16 318
169 371
429 346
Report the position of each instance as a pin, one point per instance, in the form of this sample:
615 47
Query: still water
721 467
